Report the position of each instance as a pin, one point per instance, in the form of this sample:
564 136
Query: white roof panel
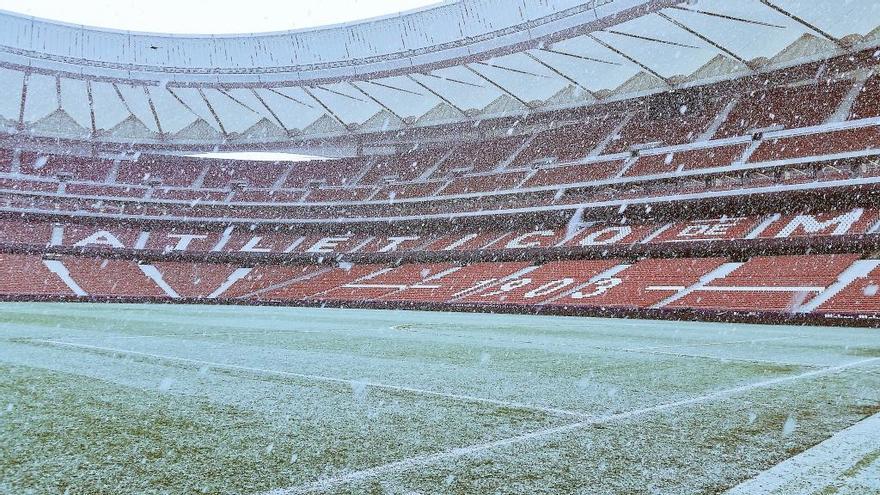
75 101
139 103
110 110
42 97
10 98
173 115
293 107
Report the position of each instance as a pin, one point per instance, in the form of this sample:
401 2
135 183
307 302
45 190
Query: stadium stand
741 192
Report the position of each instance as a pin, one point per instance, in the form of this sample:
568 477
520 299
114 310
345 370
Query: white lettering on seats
295 244
474 288
183 241
610 235
508 287
395 242
57 235
327 244
549 288
599 287
519 242
842 224
461 242
253 246
101 238
707 230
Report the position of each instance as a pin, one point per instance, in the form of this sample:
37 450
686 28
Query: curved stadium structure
607 157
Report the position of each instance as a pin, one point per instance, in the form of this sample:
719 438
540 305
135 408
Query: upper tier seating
567 143
788 107
554 165
683 124
867 105
479 157
829 143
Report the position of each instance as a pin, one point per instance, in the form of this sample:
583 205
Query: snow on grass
230 398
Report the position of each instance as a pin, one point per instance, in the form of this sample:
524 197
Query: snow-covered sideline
848 462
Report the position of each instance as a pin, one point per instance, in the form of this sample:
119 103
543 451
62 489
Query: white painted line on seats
224 239
57 236
719 273
59 269
657 233
426 460
142 239
860 269
758 289
286 283
757 231
234 277
327 379
155 275
823 466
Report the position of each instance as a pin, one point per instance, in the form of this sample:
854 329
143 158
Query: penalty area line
429 459
326 379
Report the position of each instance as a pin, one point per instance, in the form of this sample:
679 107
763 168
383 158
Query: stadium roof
458 61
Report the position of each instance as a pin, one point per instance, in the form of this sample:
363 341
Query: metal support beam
395 88
803 22
327 109
289 98
632 59
717 46
213 112
560 74
269 109
580 57
376 101
498 86
152 109
437 94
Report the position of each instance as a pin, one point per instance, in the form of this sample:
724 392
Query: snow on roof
460 60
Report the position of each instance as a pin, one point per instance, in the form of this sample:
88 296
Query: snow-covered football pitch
137 399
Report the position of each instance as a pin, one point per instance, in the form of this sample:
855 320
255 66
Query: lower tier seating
783 284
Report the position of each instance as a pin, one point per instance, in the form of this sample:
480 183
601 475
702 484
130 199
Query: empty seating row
796 284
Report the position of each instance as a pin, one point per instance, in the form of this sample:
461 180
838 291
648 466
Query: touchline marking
722 359
712 344
327 379
420 461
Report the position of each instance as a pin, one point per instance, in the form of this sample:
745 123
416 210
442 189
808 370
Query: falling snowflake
165 384
789 426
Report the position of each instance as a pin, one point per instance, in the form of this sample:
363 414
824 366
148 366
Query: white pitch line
723 359
327 379
823 466
420 461
711 344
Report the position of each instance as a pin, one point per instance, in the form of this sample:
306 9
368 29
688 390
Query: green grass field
134 399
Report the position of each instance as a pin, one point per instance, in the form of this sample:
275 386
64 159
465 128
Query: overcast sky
209 16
